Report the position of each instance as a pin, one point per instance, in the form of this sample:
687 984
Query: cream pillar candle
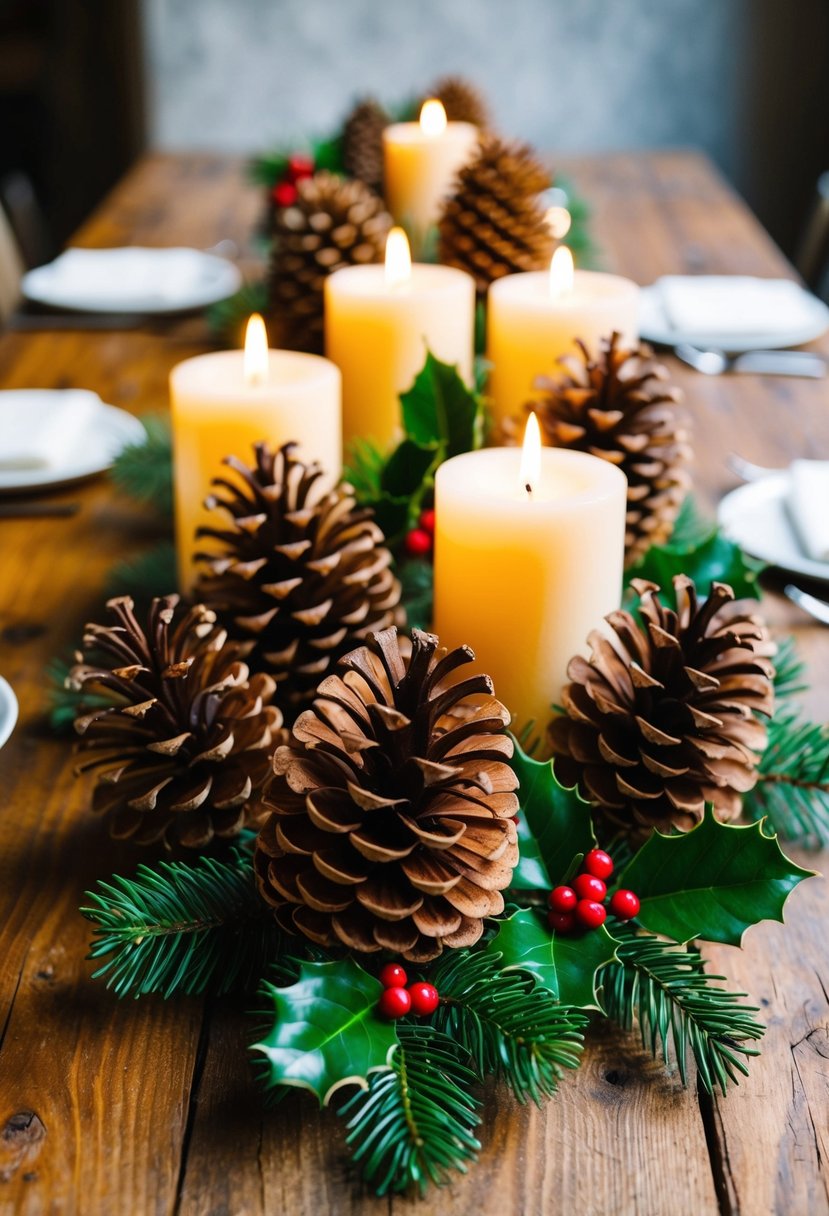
379 322
527 562
534 318
223 403
421 160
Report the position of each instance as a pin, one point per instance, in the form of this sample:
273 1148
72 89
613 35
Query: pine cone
461 99
333 223
619 406
363 143
184 749
495 222
304 575
391 825
663 717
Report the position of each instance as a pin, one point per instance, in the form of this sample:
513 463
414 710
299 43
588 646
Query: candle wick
529 490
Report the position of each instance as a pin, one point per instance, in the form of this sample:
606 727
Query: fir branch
415 1122
144 471
665 986
793 781
149 574
182 927
509 1024
789 670
65 702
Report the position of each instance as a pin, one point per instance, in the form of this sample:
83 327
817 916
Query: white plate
8 710
92 451
121 280
755 516
655 326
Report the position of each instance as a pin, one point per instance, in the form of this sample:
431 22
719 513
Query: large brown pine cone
334 222
184 748
663 718
495 222
303 574
392 807
461 99
363 143
621 407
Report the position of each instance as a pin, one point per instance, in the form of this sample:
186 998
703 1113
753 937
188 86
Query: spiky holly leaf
706 556
440 410
554 825
712 882
326 1030
565 966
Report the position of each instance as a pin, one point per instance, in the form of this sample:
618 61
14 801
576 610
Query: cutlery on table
713 362
746 470
32 322
38 510
810 604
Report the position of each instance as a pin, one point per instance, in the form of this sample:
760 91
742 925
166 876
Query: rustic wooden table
111 1109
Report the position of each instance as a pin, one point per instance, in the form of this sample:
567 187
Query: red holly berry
395 1002
598 863
562 922
563 899
427 521
393 976
590 913
588 887
418 543
624 904
284 194
424 998
299 166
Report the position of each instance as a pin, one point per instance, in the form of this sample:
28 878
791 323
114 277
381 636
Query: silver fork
746 470
810 604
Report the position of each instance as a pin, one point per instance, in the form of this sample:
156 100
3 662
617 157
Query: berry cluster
582 906
419 998
298 166
420 540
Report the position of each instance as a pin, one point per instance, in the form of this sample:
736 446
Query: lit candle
534 318
223 403
421 161
379 321
529 549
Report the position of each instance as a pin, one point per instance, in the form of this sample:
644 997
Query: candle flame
398 258
561 272
531 455
432 118
255 362
559 220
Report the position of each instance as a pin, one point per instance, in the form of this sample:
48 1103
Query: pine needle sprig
183 927
681 1008
793 783
146 575
509 1024
789 670
65 702
416 1121
144 471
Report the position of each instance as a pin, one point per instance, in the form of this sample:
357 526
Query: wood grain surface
122 1109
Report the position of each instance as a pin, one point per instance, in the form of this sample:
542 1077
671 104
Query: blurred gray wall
745 80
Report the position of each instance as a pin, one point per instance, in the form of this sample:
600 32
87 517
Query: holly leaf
439 409
712 882
416 592
566 966
554 825
327 1032
713 559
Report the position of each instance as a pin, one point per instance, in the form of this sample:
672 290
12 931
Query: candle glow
398 258
432 118
530 471
255 362
561 273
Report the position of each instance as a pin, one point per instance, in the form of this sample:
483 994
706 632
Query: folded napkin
734 304
808 503
111 275
38 427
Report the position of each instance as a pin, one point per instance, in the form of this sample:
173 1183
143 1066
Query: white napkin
38 427
808 503
108 276
734 304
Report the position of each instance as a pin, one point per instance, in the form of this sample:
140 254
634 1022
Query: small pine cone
304 575
392 806
333 223
495 222
184 749
461 99
620 407
663 719
363 143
